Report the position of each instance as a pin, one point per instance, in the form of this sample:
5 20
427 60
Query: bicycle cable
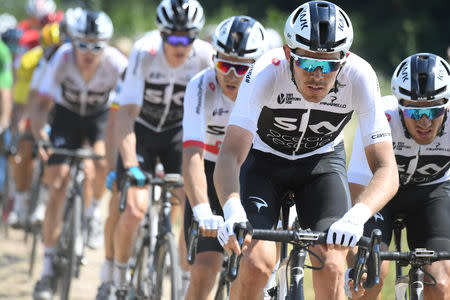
322 263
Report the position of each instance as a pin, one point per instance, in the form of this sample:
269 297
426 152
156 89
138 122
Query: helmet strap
291 67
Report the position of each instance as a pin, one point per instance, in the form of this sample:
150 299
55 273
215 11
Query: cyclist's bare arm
111 140
384 183
126 137
232 155
194 175
38 116
5 107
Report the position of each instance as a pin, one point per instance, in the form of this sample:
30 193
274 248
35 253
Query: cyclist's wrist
233 208
202 210
359 213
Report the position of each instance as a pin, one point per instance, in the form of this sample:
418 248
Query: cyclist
418 117
6 82
149 120
22 164
209 100
292 106
78 82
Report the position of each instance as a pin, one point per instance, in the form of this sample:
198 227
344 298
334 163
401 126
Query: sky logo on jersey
287 98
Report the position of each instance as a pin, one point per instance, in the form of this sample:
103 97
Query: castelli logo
388 116
212 86
276 61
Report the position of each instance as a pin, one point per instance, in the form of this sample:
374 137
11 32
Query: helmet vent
322 4
236 39
423 79
195 14
165 14
347 22
323 32
445 66
400 69
294 19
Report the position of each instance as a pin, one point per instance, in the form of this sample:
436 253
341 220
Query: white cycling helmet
180 15
40 8
319 26
7 21
240 36
422 77
84 23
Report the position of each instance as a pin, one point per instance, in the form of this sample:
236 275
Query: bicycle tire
162 273
223 288
70 253
138 265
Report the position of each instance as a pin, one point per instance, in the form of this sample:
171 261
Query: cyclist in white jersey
418 117
209 100
292 106
149 121
78 82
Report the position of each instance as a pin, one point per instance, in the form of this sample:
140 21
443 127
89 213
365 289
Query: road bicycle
414 281
69 254
155 265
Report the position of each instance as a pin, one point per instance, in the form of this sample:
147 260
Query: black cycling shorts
205 243
71 131
319 183
167 145
426 209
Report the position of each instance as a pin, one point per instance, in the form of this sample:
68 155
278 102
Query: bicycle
414 281
291 270
155 260
69 250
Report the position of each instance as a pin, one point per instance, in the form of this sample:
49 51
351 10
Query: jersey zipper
303 124
412 167
167 99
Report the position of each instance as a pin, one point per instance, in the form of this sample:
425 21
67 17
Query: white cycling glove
349 229
233 212
206 218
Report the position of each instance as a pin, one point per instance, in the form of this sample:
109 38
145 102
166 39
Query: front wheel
166 272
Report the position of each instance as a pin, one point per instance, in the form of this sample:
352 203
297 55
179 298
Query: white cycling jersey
157 88
417 164
206 114
283 123
63 81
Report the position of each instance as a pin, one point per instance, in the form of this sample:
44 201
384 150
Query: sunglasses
94 47
178 40
310 64
225 66
416 113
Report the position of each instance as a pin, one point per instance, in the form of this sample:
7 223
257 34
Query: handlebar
419 256
170 181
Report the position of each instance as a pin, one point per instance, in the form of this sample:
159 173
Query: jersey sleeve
358 169
132 88
53 74
194 112
366 99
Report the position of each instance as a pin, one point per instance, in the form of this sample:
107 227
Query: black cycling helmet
180 15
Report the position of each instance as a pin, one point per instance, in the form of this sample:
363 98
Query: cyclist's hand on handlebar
208 223
137 174
44 149
349 229
349 285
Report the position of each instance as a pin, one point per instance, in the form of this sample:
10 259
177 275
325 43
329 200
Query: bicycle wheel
223 288
166 272
70 241
138 263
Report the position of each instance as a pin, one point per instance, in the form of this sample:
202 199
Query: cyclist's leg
323 199
262 205
209 258
429 228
